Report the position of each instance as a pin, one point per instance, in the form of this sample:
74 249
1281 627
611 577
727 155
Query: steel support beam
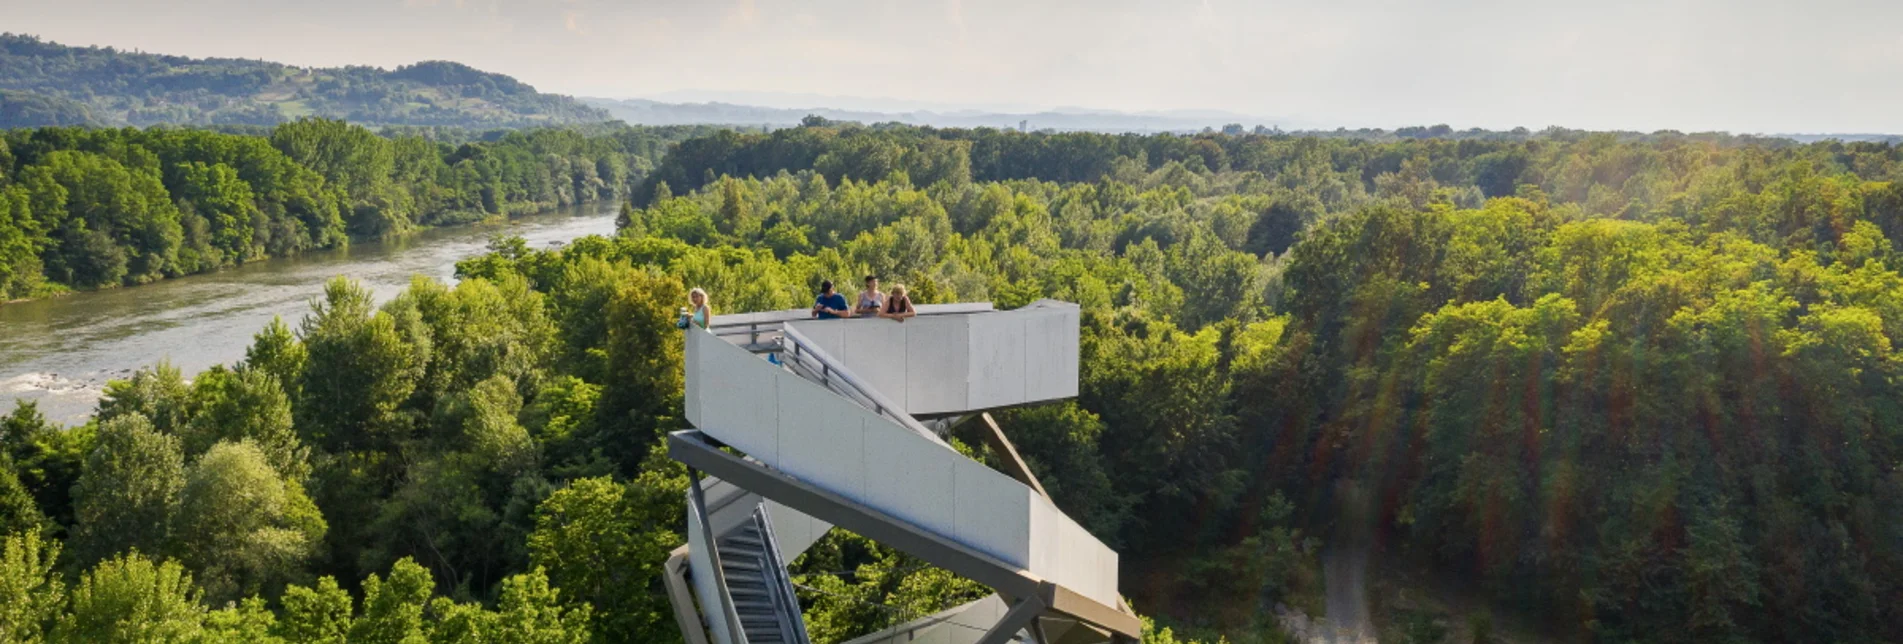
1068 602
698 499
1021 615
1013 464
674 575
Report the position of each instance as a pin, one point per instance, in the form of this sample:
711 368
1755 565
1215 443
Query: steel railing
766 325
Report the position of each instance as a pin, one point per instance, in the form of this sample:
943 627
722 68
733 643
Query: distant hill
1848 137
650 112
56 84
25 109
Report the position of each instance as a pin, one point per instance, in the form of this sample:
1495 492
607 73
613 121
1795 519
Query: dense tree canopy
1643 386
99 208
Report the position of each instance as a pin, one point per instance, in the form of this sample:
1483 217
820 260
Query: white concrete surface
828 444
1068 555
1051 351
995 375
947 364
736 392
938 349
811 433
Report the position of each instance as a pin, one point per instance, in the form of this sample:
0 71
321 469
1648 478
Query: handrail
787 612
753 325
831 370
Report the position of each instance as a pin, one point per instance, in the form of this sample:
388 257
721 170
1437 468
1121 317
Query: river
62 351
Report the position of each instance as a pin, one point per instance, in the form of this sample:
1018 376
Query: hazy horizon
1692 65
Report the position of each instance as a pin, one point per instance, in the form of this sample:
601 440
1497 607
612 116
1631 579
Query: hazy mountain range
47 83
652 112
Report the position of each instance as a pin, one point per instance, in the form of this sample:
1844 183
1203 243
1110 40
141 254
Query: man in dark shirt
829 305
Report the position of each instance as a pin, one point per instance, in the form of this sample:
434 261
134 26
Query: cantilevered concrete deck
825 437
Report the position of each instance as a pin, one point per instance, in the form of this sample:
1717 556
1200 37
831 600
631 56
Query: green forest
1642 387
54 84
94 208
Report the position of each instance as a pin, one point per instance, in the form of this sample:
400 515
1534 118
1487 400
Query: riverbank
61 351
57 290
51 290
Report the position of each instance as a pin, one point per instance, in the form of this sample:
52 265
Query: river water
61 351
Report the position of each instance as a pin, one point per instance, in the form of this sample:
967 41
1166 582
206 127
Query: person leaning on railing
699 314
830 305
870 299
898 306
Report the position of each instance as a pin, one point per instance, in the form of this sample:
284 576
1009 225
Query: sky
1692 65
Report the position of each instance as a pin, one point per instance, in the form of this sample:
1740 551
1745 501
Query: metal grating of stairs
763 598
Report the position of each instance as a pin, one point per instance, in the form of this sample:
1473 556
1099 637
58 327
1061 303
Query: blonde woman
701 311
898 306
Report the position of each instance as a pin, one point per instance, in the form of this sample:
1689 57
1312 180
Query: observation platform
841 423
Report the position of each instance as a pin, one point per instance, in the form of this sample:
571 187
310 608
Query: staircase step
751 566
757 585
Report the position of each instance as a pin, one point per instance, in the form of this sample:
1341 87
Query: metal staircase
762 593
827 430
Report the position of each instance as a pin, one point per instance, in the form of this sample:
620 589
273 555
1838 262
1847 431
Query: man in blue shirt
830 305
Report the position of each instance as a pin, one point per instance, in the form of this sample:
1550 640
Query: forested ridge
1641 387
106 86
92 208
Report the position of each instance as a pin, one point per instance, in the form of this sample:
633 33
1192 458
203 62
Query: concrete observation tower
841 423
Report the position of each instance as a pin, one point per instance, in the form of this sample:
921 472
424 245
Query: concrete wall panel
910 477
875 352
993 512
997 360
690 387
738 399
935 351
830 335
1045 541
822 437
1050 354
955 363
1067 554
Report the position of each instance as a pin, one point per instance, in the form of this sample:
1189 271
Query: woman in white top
871 301
702 310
